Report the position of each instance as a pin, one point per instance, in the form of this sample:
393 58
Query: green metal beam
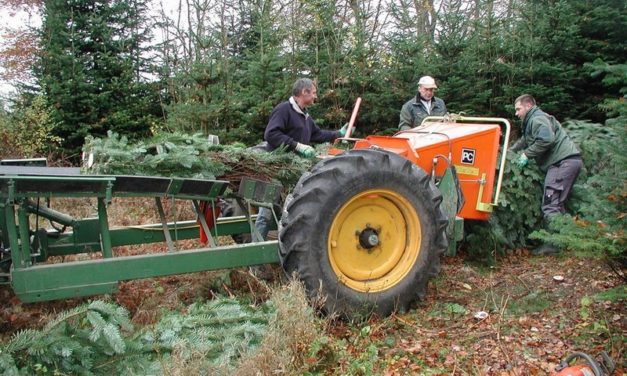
81 278
11 229
86 238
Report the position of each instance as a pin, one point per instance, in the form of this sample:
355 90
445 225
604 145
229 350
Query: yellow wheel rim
374 241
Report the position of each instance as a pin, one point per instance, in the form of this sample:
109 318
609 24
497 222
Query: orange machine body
471 148
578 370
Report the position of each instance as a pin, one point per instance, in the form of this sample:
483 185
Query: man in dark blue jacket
290 124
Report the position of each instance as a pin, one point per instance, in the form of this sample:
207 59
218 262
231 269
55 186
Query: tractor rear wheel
365 229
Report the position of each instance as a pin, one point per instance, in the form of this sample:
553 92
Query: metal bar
70 179
351 122
255 234
203 223
164 224
50 214
105 236
109 191
502 163
55 281
14 188
4 234
482 206
215 220
16 255
63 244
11 192
15 169
175 216
24 230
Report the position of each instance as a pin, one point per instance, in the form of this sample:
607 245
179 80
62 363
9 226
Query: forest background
219 66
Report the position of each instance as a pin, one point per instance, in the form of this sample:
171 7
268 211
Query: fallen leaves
440 335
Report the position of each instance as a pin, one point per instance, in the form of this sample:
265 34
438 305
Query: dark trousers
559 180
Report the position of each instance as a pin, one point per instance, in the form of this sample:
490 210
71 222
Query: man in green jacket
422 105
544 140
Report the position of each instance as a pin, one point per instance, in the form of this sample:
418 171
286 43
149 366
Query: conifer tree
92 68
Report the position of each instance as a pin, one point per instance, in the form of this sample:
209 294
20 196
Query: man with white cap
423 105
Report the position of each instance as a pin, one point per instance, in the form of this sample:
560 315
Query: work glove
305 150
522 160
343 130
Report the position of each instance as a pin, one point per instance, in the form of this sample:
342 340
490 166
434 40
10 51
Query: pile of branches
190 156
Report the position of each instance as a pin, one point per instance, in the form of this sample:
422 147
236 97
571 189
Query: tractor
365 227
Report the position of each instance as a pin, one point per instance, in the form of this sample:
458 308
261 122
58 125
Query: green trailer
28 248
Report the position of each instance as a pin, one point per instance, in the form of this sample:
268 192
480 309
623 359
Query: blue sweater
287 126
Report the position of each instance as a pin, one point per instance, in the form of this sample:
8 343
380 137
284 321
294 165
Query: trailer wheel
366 231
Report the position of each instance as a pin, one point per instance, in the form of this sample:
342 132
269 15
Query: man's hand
305 150
343 130
522 160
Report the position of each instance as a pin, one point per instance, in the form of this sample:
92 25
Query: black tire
365 230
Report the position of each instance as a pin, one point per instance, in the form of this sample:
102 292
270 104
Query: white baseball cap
427 82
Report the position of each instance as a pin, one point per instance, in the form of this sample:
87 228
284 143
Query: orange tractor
366 227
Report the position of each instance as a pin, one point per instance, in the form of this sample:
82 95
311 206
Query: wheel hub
374 240
368 238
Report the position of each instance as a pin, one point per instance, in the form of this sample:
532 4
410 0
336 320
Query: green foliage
222 330
28 131
617 294
366 363
86 340
182 155
596 323
93 56
33 129
516 216
614 75
447 311
97 338
224 336
6 136
592 140
586 237
535 301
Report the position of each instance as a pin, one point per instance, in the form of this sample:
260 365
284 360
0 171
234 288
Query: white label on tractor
468 156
